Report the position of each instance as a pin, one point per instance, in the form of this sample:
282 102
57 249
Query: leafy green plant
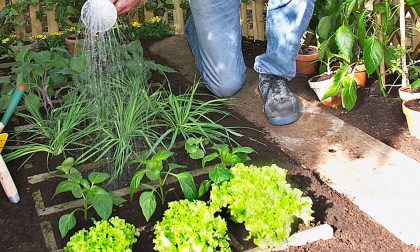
188 116
159 7
191 226
39 70
154 170
195 147
69 128
227 157
155 28
88 190
112 235
261 198
48 42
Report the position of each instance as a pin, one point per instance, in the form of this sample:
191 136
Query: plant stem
85 205
162 193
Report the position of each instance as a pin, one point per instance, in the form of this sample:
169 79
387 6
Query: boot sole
283 120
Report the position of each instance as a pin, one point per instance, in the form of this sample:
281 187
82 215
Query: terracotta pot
360 75
413 119
307 64
73 43
406 94
320 87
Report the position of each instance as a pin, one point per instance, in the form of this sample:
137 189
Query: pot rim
411 111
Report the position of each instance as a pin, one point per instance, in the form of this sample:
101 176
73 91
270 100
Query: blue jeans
214 34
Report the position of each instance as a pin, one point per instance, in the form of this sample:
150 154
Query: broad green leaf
66 223
4 102
32 103
77 192
362 28
186 181
116 200
204 187
349 7
415 84
412 2
344 39
98 177
42 57
162 155
79 62
209 158
153 174
135 182
68 162
66 186
323 48
102 203
147 204
336 84
324 27
198 154
349 93
373 52
219 173
247 150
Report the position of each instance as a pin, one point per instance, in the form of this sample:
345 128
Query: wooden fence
252 19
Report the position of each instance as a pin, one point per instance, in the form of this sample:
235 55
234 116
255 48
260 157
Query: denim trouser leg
216 44
286 22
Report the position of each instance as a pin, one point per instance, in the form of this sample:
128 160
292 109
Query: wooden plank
244 20
404 73
121 192
48 234
254 19
259 14
51 22
36 26
178 18
20 30
148 15
134 16
2 4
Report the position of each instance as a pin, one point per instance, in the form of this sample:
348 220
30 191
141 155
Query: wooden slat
2 3
20 30
254 20
178 18
134 17
259 7
51 22
244 20
36 26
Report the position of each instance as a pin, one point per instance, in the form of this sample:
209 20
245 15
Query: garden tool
5 177
99 15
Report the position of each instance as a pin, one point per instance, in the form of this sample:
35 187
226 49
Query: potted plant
322 82
307 58
411 110
74 40
112 235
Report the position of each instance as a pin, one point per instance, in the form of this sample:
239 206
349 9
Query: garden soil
353 230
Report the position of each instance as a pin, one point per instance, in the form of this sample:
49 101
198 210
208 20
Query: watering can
6 180
99 15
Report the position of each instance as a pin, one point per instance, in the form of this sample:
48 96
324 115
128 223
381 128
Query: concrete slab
383 182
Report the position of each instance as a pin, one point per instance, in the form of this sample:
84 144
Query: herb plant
112 235
155 172
88 190
261 198
190 226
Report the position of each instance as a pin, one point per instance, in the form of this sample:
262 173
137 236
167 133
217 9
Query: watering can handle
14 101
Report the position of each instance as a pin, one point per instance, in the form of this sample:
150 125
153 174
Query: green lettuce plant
88 190
261 198
190 226
112 235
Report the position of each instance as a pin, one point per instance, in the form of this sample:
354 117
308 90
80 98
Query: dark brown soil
307 50
322 77
353 230
413 104
380 117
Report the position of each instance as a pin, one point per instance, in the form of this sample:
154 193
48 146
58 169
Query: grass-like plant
190 115
71 127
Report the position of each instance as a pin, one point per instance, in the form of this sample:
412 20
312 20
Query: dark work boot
280 105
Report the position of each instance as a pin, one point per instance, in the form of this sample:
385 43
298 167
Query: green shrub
115 235
262 199
190 226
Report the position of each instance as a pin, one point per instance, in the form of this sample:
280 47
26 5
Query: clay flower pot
407 94
411 111
360 75
73 43
320 84
307 62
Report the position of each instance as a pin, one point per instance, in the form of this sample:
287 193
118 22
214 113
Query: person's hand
125 6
